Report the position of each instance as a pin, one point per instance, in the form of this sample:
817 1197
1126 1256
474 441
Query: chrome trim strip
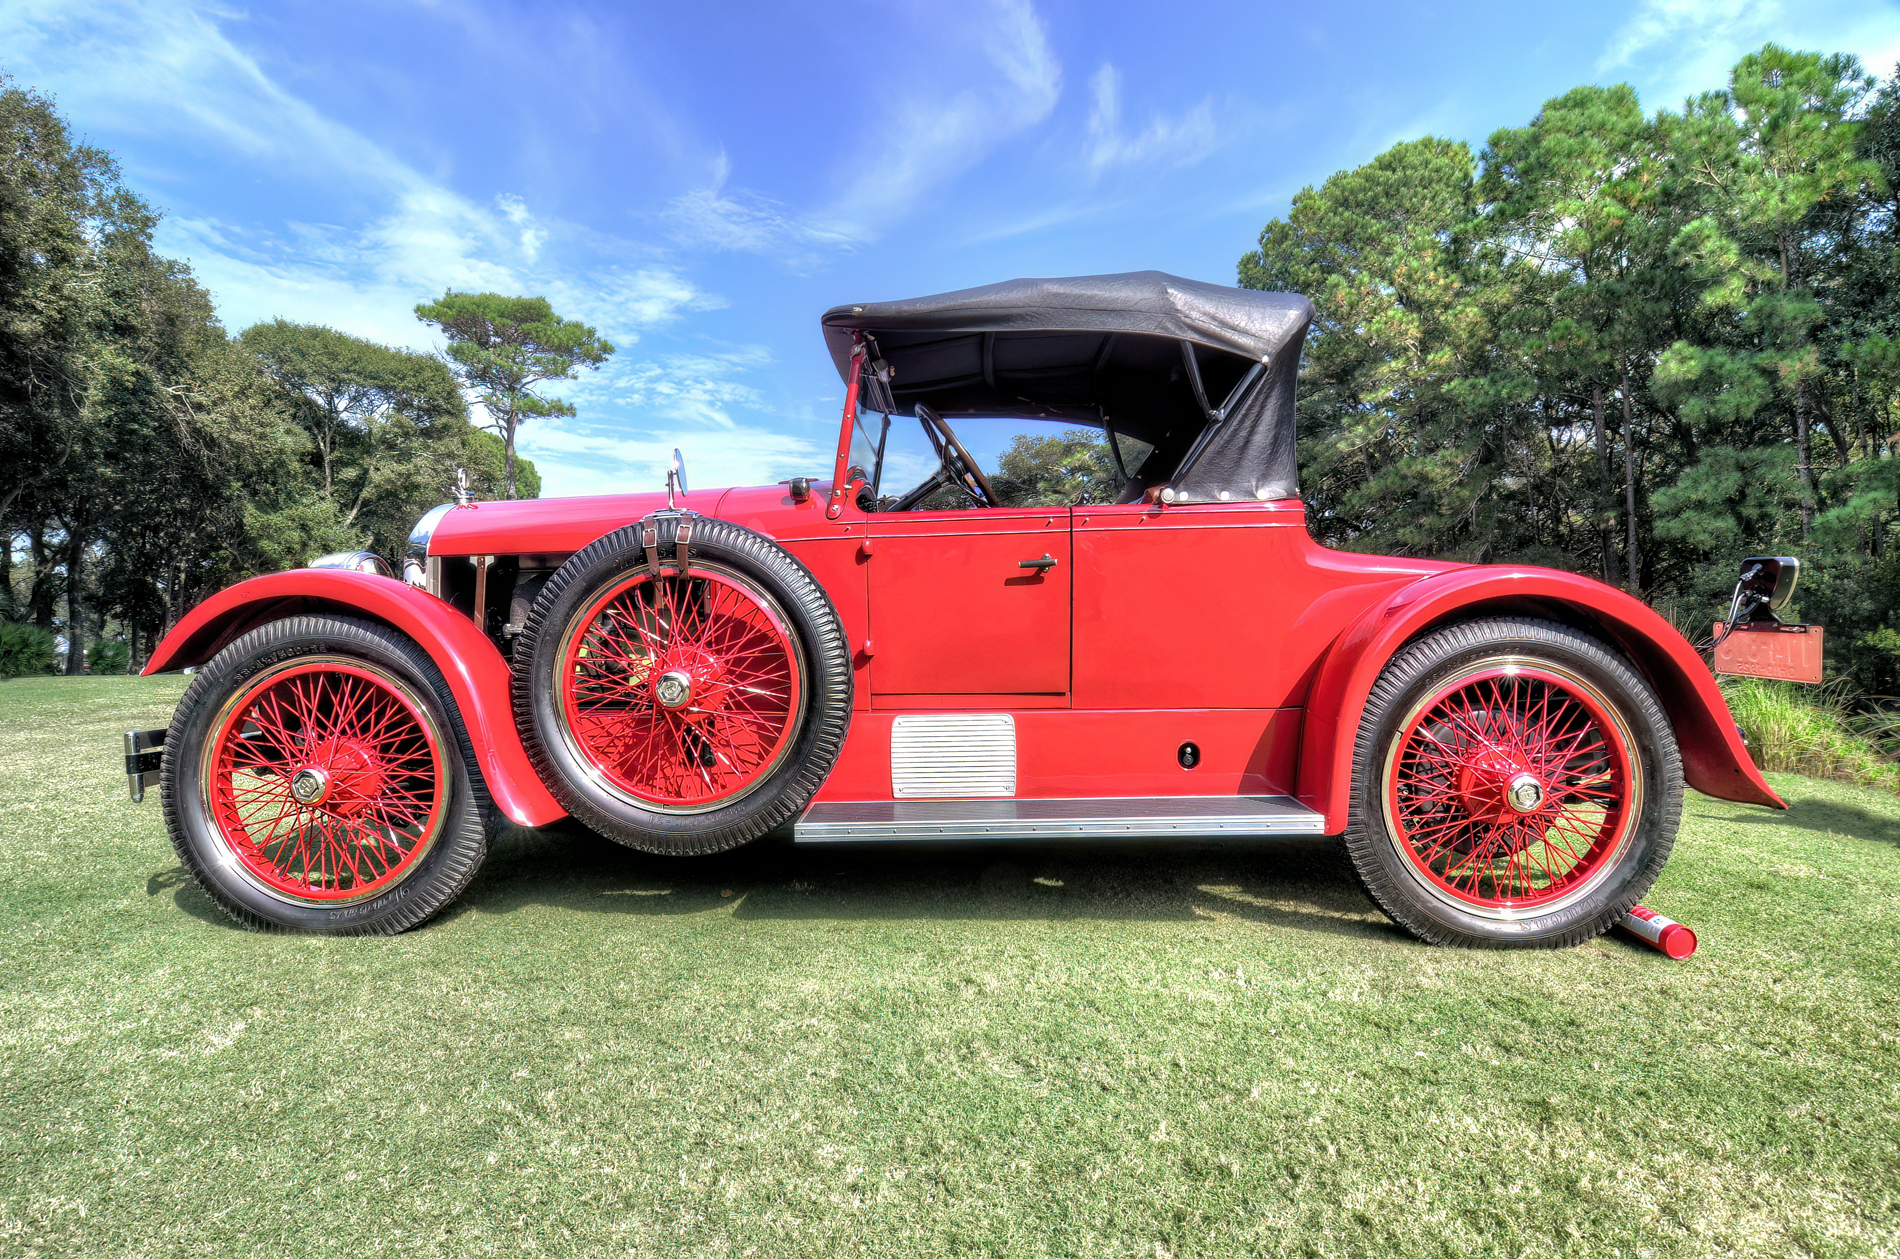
1131 817
425 529
354 562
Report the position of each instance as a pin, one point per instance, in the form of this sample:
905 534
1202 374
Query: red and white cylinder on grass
1674 939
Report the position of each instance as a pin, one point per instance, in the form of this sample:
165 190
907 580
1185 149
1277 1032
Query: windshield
916 463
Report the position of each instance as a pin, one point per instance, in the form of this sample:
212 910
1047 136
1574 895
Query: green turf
1055 1051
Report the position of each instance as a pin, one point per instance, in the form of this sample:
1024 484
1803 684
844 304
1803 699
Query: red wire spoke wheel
681 692
317 777
1511 788
326 780
1515 783
682 709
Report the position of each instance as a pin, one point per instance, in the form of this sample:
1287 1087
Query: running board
1136 817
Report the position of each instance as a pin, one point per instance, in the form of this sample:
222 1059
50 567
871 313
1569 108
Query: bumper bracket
144 753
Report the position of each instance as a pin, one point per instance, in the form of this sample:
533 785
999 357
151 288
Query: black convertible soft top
1202 372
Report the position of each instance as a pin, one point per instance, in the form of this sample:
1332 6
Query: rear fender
1714 759
476 673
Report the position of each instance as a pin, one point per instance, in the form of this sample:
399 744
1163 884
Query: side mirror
679 469
1768 580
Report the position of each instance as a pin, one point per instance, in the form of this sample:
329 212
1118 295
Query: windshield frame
935 428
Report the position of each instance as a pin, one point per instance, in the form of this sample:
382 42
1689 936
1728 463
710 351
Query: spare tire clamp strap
650 538
682 540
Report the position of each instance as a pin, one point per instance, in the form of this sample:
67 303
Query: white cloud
1677 48
586 461
1668 22
533 235
744 222
932 127
703 403
689 390
1180 141
169 70
985 78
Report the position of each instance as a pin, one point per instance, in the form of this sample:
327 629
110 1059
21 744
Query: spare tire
683 712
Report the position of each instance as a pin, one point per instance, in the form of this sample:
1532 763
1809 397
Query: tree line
148 457
1636 345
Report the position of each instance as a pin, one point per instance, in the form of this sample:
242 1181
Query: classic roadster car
1058 582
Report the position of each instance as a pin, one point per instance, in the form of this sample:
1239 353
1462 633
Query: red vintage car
1057 583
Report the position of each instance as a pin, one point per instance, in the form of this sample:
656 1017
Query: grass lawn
1100 1050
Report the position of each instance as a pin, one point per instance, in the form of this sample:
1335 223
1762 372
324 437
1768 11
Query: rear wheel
317 778
1516 783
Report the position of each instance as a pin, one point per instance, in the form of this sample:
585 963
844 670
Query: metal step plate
1137 817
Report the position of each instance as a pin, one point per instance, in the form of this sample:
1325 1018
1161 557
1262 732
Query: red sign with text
1788 653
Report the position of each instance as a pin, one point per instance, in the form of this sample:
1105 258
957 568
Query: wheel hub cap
674 689
309 785
1525 793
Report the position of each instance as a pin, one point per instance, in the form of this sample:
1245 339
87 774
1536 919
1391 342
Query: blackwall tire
317 777
683 715
1516 783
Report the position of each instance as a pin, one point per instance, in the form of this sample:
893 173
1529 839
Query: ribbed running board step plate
1138 817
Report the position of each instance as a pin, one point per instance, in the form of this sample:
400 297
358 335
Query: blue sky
700 181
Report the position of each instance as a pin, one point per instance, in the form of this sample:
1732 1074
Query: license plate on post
1787 653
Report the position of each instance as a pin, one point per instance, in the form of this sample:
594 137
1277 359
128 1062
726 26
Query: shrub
1806 731
108 656
25 650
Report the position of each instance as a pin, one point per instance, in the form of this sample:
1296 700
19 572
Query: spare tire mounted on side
683 711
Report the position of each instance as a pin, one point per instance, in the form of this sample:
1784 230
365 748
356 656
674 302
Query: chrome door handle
1042 565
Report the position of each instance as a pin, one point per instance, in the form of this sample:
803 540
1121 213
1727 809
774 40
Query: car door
970 607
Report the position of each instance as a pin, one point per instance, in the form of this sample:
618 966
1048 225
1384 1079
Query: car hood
561 526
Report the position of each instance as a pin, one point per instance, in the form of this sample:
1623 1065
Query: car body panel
475 671
1065 754
550 526
1174 609
952 612
1217 624
1211 605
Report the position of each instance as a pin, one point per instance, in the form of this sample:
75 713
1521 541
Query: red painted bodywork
476 674
953 614
1221 624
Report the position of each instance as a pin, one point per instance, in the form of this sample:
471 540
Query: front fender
1714 759
476 673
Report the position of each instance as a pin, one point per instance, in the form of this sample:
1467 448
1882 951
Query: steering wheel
969 464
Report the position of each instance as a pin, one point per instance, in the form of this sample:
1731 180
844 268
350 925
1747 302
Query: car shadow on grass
1812 813
187 896
1303 884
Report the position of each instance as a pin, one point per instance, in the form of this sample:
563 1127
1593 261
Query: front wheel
1516 783
317 778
